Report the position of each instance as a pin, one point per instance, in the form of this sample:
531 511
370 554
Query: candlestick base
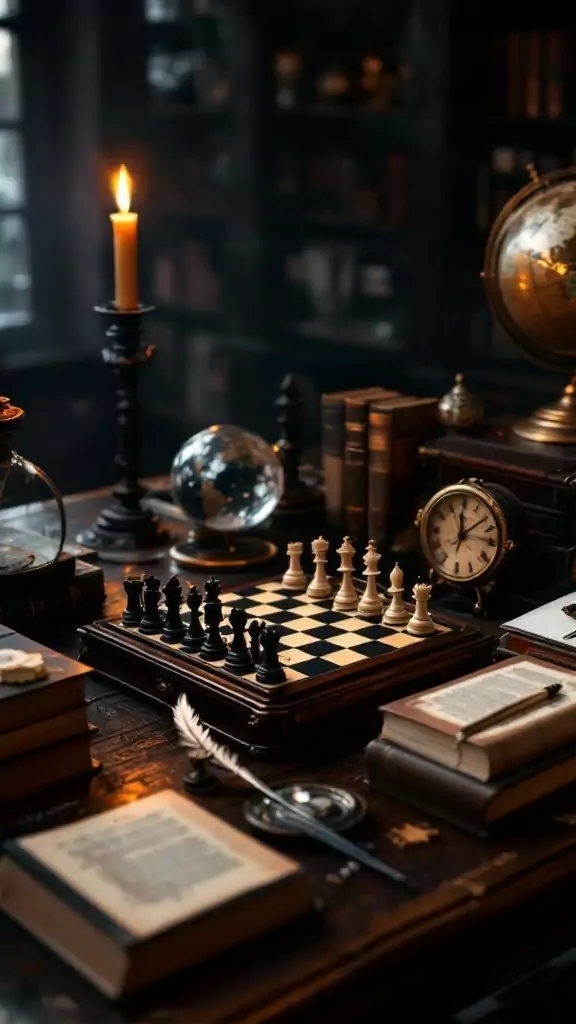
121 535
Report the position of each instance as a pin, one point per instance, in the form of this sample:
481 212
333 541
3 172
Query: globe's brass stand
554 423
126 530
210 550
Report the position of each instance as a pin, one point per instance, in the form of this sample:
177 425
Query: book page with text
473 699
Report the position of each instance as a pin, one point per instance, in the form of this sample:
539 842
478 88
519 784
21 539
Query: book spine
458 799
532 103
515 106
554 98
356 468
78 601
333 456
379 433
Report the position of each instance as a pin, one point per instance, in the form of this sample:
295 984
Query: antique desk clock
469 531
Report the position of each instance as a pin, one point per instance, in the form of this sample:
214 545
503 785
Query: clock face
462 535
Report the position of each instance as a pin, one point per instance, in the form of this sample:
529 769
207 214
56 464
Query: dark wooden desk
489 937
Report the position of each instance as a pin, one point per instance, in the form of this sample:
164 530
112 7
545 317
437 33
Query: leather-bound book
476 807
396 428
61 691
333 444
428 723
356 412
147 889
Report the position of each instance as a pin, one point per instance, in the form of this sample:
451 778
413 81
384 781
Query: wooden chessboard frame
276 720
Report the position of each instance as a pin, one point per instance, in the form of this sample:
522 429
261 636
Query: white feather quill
196 737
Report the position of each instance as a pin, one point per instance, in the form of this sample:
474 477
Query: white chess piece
396 613
294 578
346 599
421 624
319 585
371 601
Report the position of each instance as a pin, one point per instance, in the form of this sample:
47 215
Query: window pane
15 279
162 10
9 8
11 170
9 90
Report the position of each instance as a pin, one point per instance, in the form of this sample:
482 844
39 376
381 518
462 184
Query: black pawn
214 647
238 657
270 670
174 629
152 621
195 635
254 629
132 614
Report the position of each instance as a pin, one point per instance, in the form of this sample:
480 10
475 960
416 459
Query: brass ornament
459 408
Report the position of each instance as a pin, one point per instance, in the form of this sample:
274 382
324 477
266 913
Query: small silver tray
340 809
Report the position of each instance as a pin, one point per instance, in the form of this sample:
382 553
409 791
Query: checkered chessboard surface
314 639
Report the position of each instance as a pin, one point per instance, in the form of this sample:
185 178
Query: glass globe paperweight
228 482
25 490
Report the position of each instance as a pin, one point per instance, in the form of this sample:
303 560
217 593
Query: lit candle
125 228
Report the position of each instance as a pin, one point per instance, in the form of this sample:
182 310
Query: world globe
530 278
227 480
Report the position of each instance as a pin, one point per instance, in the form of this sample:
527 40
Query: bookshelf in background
512 104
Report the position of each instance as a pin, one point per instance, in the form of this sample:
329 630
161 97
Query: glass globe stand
126 530
210 550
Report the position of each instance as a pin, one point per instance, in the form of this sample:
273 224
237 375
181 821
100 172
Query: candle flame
122 188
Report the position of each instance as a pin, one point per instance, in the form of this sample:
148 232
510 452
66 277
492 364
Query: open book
428 723
146 889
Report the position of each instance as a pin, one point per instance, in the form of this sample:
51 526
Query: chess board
337 664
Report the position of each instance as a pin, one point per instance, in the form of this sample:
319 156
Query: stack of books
44 732
439 752
370 440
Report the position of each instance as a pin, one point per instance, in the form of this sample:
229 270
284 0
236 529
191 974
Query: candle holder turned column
126 530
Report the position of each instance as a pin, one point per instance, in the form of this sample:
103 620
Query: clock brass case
508 515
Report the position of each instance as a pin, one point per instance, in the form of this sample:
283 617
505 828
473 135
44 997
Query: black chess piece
297 495
270 670
214 647
195 635
152 620
255 629
174 629
132 614
238 657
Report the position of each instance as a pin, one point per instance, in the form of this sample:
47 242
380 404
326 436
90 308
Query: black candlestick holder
126 530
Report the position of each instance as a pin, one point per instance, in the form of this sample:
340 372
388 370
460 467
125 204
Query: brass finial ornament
530 281
459 408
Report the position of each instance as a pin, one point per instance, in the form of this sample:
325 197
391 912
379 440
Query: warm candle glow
122 188
125 228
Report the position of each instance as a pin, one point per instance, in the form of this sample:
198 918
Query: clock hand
477 523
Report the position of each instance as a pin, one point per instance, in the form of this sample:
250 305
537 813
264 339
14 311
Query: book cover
356 411
61 690
474 806
395 430
148 888
333 443
429 722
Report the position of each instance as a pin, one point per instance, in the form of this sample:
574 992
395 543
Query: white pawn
294 578
319 585
396 613
421 623
346 599
371 601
